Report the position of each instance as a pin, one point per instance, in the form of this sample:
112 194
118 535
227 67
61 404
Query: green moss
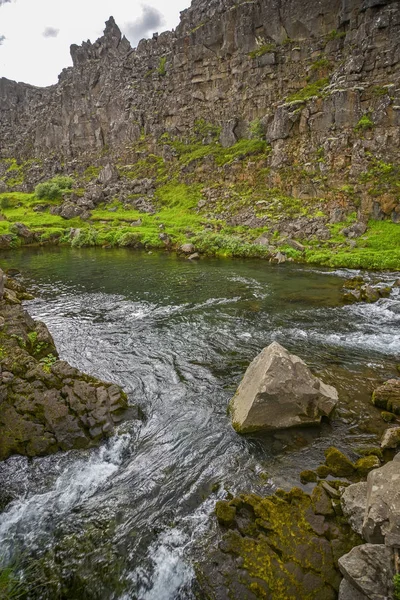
366 464
321 64
335 35
277 547
338 463
91 173
261 50
364 123
308 477
162 66
323 471
396 586
372 451
388 417
225 513
309 91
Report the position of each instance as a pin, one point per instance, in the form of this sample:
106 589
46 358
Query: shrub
86 237
364 123
162 66
53 188
256 130
396 584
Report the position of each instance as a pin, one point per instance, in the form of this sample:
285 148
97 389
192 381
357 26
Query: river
126 520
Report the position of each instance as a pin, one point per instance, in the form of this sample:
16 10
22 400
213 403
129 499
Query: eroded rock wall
320 81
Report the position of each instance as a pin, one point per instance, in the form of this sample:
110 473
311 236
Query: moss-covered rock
387 396
388 417
45 404
366 464
371 451
322 471
338 463
225 513
283 547
308 476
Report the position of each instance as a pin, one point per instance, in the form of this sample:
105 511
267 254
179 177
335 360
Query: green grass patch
309 91
378 249
261 50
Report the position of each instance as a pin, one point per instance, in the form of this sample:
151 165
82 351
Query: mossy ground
226 182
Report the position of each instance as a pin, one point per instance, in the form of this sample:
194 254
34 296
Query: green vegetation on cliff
224 201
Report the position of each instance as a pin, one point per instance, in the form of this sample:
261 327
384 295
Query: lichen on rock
282 547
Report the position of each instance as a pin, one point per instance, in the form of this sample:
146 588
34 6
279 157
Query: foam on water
25 518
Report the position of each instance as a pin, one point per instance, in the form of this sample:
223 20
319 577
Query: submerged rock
46 404
279 391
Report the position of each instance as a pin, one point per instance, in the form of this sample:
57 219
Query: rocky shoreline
46 405
340 541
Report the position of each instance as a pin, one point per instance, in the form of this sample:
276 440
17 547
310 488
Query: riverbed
125 521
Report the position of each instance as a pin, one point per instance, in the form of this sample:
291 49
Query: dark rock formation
320 81
47 405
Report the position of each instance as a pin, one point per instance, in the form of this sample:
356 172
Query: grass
229 182
379 249
11 587
178 217
309 91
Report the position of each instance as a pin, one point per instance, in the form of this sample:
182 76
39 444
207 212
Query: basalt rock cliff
318 80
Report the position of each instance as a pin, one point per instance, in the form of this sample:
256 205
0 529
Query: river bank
178 336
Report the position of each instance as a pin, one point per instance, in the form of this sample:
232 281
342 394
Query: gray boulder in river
279 391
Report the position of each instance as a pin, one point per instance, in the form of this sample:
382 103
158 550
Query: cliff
229 64
317 82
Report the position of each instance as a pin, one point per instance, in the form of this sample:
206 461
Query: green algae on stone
366 464
225 513
338 463
285 547
308 476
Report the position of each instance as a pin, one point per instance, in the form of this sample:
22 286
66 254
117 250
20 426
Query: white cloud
148 22
24 21
50 32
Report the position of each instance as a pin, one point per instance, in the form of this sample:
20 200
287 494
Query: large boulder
370 569
279 391
382 515
354 503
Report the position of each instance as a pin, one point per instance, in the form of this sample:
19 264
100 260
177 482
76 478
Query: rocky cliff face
320 80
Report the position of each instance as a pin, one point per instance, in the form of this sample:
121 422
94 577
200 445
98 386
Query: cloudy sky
35 35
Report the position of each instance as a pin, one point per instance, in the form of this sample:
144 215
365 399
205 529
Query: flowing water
127 520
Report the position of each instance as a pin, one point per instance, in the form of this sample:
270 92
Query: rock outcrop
47 405
279 391
318 81
373 510
284 546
